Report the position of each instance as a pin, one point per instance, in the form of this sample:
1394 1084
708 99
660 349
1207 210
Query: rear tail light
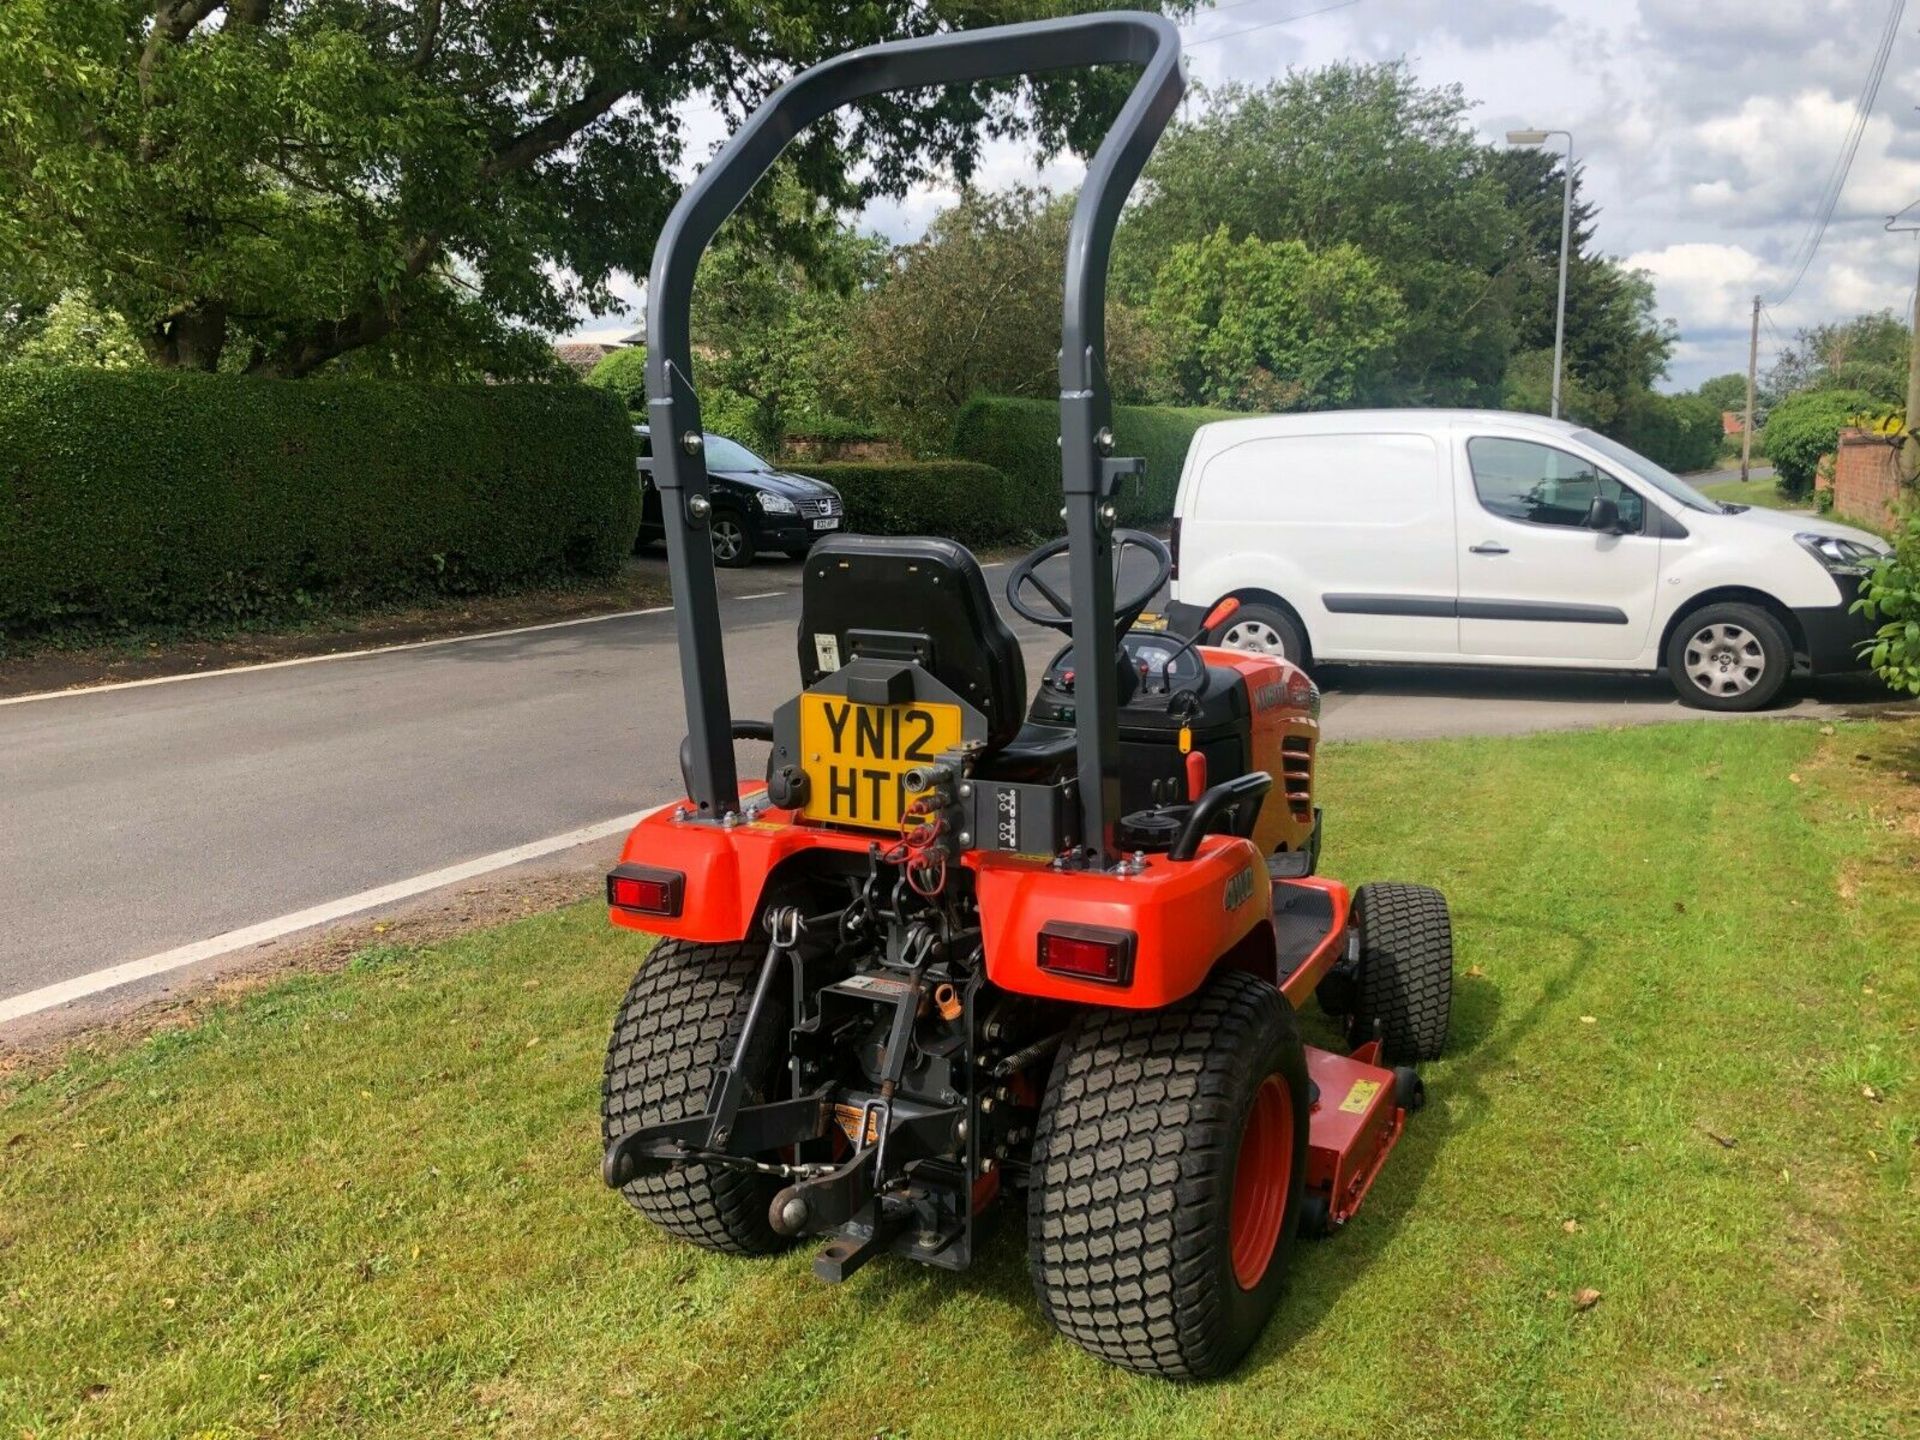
1088 952
1173 548
643 890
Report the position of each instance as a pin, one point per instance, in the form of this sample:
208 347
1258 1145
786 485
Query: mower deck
1356 1120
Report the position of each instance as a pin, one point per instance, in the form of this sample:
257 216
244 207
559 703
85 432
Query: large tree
1616 345
1357 155
1254 325
973 307
1867 353
272 184
1366 156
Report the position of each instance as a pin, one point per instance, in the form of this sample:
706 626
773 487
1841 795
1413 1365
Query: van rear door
1354 530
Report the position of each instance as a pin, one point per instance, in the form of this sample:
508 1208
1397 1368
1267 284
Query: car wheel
1729 657
1264 630
732 539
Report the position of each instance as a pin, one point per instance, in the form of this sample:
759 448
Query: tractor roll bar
1089 473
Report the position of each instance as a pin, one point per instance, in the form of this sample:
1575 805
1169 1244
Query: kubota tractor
963 949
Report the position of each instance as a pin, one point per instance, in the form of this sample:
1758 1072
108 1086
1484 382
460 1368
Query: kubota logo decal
1240 889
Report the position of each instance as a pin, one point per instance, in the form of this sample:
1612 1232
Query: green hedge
963 501
1022 439
149 496
1681 432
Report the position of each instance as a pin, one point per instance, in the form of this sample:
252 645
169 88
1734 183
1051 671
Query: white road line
334 655
763 595
66 991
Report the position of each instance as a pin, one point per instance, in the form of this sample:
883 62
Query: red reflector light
1173 549
644 890
1091 952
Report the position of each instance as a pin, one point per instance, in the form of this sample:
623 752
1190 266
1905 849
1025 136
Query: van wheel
1729 657
1264 630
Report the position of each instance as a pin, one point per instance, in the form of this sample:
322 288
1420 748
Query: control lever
1216 617
1190 699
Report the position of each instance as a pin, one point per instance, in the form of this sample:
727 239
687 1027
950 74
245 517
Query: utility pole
1753 365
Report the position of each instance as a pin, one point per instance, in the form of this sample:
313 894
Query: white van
1488 538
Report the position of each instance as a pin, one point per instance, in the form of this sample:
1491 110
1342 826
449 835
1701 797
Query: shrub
1681 432
955 498
623 374
163 496
1803 427
1890 597
1021 439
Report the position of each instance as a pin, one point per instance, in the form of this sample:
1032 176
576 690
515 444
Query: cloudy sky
1709 129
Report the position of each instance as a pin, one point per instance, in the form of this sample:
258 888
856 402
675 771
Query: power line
1837 180
1213 10
1283 20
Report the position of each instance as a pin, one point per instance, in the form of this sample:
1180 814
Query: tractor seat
913 598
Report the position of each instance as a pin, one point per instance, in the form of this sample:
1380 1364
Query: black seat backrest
912 598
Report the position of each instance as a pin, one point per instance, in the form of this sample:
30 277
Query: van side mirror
1604 515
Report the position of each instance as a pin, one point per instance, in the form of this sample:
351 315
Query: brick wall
1867 472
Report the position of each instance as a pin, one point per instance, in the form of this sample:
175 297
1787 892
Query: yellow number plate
856 756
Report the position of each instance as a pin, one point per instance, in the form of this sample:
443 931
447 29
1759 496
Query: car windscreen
1661 479
725 454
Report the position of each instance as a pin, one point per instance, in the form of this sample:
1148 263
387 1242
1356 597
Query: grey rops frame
1089 472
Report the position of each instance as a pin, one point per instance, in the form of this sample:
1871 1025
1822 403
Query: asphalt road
136 820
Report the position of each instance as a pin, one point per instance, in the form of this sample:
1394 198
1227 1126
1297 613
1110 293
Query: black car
755 507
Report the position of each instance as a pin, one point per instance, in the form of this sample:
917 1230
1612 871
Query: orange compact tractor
967 948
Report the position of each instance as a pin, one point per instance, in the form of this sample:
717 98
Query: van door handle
1487 547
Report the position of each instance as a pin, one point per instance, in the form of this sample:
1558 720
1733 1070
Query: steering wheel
1125 611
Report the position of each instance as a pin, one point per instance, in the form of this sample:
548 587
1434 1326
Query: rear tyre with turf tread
1405 977
680 1019
1132 1206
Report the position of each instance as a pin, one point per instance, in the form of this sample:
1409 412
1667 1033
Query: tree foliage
973 307
1806 426
1890 596
1363 155
771 326
624 372
1726 392
70 331
1681 432
273 184
1867 353
1259 326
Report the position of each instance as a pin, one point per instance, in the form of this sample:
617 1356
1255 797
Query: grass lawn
1760 490
1686 1074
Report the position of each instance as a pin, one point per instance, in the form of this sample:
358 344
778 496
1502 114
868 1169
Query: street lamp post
1540 137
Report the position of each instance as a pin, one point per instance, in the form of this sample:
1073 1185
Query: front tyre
1729 657
1403 990
1169 1168
680 1019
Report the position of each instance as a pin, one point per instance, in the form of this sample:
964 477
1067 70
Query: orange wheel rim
1261 1181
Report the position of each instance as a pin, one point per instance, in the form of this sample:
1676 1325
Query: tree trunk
190 339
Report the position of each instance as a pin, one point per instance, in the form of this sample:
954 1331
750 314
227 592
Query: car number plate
856 756
827 522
